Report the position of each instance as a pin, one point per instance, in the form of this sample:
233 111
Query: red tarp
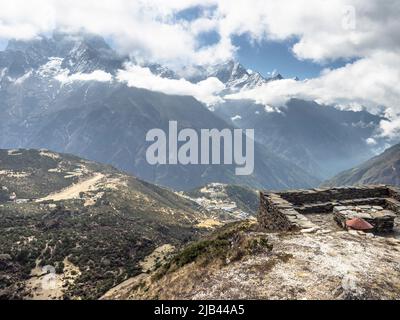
359 224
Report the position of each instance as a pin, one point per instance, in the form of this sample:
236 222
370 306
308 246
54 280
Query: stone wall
300 197
286 211
277 214
394 193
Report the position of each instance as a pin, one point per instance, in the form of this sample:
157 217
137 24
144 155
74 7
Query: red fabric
359 224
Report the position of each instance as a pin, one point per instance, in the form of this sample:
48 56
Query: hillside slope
241 262
92 223
383 169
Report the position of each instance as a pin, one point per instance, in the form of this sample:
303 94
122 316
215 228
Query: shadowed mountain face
107 121
320 139
383 169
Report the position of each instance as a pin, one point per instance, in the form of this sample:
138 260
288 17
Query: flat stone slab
381 219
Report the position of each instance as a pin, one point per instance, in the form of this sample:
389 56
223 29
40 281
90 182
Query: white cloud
205 91
97 75
320 31
371 141
390 129
153 28
369 83
324 29
275 93
146 29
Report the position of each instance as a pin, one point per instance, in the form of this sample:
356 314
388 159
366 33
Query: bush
22 256
60 268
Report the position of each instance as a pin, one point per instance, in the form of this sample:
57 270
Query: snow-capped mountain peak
235 76
80 53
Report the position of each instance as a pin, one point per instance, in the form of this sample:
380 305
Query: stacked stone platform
287 211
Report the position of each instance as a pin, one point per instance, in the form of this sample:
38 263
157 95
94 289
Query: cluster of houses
215 199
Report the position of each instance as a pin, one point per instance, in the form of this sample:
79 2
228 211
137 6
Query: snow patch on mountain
371 141
235 118
52 68
2 73
22 79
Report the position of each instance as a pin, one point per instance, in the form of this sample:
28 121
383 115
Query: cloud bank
97 75
324 29
369 82
160 29
205 91
171 32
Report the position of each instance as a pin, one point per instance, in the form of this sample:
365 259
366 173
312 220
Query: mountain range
61 93
233 75
97 213
320 139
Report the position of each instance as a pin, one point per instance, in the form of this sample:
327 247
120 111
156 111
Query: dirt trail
73 191
44 286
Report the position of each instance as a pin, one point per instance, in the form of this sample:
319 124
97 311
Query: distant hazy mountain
320 139
107 121
383 169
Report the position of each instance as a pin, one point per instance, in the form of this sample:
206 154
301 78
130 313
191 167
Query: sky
271 56
345 52
266 57
3 44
